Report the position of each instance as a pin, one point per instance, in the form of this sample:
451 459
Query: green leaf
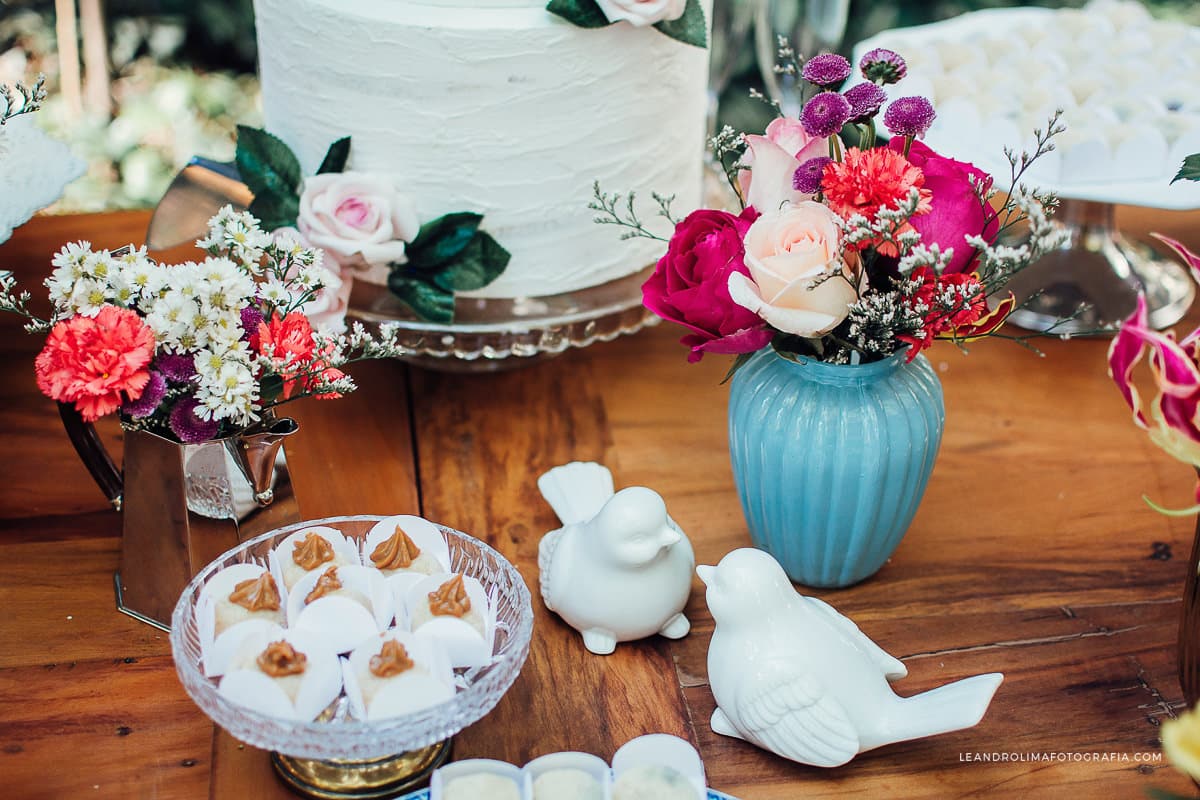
270 387
584 13
442 240
691 28
737 364
429 302
272 173
1190 171
275 212
480 263
336 156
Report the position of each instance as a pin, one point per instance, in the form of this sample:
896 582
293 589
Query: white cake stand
497 334
1097 267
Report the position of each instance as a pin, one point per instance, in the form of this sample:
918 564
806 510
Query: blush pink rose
955 211
641 13
357 218
798 282
690 285
771 160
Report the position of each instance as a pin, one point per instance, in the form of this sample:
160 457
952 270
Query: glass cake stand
1101 271
340 757
497 334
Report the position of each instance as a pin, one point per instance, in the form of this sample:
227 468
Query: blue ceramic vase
831 460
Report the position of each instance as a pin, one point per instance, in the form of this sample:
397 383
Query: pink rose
770 162
798 282
956 211
690 285
356 218
640 13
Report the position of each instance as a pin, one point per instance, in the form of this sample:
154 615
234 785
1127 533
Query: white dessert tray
1129 161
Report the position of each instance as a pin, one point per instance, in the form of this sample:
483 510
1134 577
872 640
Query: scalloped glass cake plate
339 743
504 333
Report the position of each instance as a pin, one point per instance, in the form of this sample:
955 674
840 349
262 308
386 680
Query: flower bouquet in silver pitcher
195 359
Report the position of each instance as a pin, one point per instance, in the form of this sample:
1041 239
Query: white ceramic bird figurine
792 675
620 568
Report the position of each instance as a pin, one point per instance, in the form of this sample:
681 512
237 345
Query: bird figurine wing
577 491
791 714
547 547
892 667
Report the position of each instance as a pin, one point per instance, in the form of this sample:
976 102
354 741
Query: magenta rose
956 211
690 285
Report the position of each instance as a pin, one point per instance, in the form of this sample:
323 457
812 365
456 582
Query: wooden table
1032 554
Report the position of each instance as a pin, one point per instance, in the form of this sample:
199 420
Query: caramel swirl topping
280 659
396 552
450 600
256 594
392 659
328 582
312 551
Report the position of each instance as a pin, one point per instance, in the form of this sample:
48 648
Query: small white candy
481 785
567 784
652 783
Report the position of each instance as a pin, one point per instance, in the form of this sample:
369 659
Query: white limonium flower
236 234
145 278
275 292
226 388
87 296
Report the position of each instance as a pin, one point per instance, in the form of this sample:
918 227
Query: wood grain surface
1032 554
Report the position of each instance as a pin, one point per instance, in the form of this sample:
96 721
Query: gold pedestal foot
373 778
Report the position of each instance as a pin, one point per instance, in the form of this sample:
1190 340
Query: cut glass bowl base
506 333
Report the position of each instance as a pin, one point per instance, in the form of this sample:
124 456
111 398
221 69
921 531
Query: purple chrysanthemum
151 396
807 177
825 114
176 368
827 69
883 66
865 101
909 116
187 426
251 319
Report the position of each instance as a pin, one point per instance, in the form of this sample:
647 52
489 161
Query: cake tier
499 108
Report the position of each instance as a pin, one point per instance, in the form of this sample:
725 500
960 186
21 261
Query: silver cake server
198 192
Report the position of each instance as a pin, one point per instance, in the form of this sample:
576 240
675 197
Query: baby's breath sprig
30 98
727 148
611 213
786 60
664 207
17 302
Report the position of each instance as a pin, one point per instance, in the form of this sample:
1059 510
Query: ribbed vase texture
831 461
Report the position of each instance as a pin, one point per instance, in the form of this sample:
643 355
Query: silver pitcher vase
182 505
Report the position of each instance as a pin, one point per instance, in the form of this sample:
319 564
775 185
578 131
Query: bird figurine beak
670 536
706 574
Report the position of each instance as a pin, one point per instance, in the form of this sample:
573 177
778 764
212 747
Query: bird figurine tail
577 491
952 707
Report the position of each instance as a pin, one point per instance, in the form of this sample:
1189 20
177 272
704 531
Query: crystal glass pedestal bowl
337 756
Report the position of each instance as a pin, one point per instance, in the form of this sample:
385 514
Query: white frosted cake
497 107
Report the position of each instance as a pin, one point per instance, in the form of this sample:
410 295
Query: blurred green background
162 80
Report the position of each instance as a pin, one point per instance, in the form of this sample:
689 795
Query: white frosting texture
495 107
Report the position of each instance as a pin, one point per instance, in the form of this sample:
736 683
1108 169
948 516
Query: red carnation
290 340
97 362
